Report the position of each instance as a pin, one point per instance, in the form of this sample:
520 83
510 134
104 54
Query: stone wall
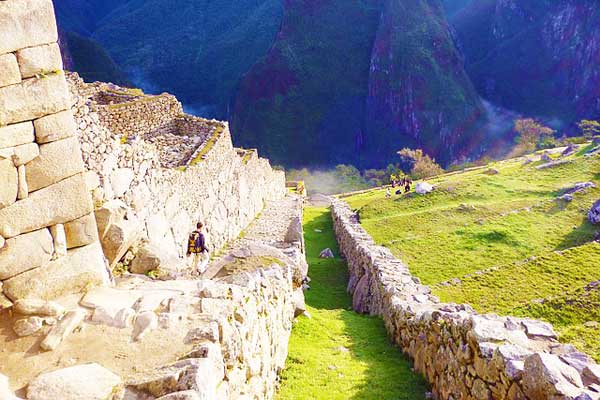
45 205
166 180
462 354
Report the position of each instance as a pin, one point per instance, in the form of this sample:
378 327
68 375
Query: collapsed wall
165 170
462 354
48 245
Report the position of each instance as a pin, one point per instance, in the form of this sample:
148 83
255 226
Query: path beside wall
462 354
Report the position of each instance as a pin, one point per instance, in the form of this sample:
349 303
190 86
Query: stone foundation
462 354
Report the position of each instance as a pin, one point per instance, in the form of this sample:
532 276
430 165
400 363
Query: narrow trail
338 354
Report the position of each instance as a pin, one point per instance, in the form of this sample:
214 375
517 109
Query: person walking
388 193
197 249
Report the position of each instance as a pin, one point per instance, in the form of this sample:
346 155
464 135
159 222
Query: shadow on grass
580 235
387 373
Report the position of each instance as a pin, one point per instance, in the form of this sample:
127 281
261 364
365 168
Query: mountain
538 57
90 60
197 50
354 82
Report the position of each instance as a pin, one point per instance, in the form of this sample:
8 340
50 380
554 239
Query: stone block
28 326
9 70
26 23
121 180
60 240
80 269
23 191
81 231
546 377
62 329
38 307
17 134
39 59
10 184
56 204
55 127
89 382
119 237
110 213
34 98
57 161
20 155
25 252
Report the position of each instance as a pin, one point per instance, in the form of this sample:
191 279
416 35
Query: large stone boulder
55 127
594 214
26 23
57 161
547 377
35 60
16 134
81 382
5 392
62 202
80 269
25 252
423 188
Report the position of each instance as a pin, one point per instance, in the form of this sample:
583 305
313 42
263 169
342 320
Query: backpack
196 243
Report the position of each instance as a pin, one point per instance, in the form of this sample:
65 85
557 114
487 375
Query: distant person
398 192
407 185
388 193
197 248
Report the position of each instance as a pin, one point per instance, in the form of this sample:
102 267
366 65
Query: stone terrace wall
462 354
137 174
140 115
47 229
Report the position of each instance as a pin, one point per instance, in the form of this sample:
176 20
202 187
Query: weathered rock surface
38 307
16 134
62 329
28 326
548 377
10 185
26 23
9 70
58 160
55 127
33 98
25 252
81 268
81 382
5 392
63 202
39 59
81 232
326 253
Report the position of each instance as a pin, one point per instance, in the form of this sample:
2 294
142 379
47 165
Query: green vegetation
214 137
338 354
497 237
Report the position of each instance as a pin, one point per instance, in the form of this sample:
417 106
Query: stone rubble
462 354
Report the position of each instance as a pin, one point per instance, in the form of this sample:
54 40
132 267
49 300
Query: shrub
420 164
589 128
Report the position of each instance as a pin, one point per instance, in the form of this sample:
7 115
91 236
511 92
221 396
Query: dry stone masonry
156 177
462 354
99 189
42 175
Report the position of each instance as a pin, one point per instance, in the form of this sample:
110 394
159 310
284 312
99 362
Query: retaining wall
184 171
45 207
462 354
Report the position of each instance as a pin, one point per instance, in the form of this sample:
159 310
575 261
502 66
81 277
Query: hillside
197 50
537 57
352 82
504 242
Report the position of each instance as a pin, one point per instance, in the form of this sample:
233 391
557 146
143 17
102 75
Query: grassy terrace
502 243
338 354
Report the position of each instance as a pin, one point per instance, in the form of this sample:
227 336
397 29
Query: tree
532 135
419 164
589 128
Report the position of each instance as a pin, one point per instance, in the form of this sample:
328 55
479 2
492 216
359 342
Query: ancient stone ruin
100 187
462 354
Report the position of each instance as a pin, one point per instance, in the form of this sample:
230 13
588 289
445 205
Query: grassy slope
318 366
477 222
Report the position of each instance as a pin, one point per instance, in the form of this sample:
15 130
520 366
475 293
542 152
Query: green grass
338 354
503 242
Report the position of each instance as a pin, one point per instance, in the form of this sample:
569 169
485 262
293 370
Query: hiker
398 192
407 184
197 249
388 194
